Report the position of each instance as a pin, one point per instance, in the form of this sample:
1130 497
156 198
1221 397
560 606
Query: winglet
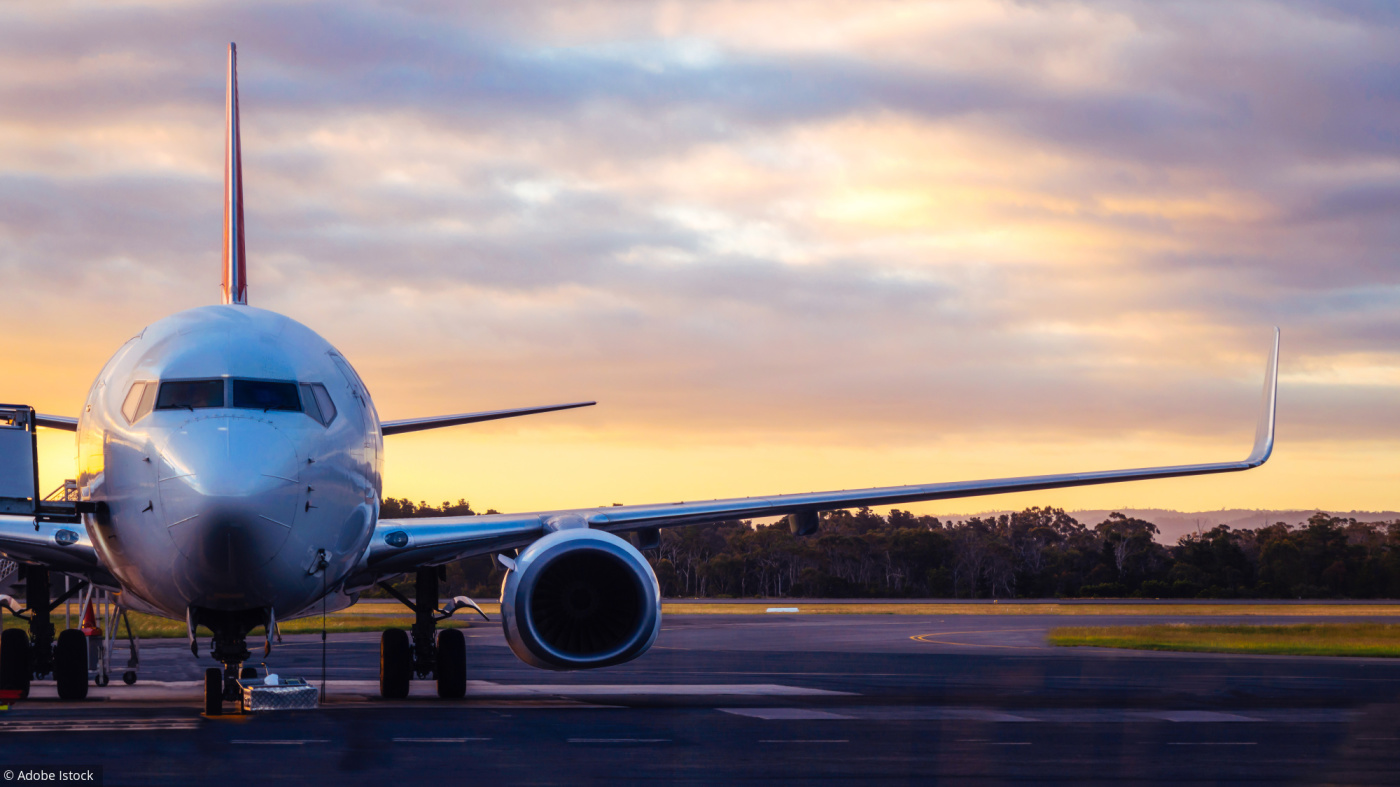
235 286
1264 433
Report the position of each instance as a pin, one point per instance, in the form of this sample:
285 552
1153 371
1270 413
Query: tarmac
837 699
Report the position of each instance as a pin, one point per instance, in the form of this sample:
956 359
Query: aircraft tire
451 664
395 664
15 669
129 677
70 665
213 692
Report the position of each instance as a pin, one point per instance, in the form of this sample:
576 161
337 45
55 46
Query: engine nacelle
579 599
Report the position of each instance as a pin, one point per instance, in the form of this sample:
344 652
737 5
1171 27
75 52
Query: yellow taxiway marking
926 638
98 725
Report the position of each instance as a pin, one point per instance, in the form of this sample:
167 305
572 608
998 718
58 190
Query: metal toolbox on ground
288 694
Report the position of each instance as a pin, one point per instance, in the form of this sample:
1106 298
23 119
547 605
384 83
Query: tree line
1035 553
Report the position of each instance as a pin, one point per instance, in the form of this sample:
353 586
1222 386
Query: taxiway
757 698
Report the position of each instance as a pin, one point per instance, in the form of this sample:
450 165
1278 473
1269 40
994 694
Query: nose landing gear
213 692
231 649
428 653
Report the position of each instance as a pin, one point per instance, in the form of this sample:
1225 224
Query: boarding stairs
19 472
19 496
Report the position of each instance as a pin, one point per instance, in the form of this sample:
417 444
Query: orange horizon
785 250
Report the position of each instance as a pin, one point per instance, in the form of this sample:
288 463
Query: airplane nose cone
229 491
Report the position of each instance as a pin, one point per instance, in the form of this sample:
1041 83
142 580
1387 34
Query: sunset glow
786 246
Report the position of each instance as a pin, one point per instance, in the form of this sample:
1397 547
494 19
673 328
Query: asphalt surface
756 698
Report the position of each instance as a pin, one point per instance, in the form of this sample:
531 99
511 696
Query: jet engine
579 599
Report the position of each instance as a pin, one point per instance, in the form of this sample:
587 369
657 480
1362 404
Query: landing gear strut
36 597
23 658
230 648
425 623
428 653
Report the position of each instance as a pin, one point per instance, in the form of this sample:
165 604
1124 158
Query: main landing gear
428 653
36 655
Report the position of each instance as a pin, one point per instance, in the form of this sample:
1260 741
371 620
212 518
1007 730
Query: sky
788 246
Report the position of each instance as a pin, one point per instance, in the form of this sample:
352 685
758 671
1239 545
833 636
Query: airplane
229 475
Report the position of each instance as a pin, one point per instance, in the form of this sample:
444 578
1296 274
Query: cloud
823 223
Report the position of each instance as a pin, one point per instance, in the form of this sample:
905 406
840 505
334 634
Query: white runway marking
1051 715
783 714
935 714
487 690
619 740
1213 743
655 689
1198 716
339 690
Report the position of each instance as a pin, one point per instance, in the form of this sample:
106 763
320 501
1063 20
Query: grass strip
974 608
1306 639
377 617
1013 608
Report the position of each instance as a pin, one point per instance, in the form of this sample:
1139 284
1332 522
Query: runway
758 698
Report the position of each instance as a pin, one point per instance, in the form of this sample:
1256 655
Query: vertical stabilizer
235 261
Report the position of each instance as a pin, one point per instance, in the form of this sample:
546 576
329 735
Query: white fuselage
229 507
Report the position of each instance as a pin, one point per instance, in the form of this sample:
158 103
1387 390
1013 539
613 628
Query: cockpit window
133 401
190 394
317 402
148 400
266 395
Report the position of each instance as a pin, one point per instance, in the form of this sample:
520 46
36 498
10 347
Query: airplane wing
56 422
401 545
437 421
60 546
388 427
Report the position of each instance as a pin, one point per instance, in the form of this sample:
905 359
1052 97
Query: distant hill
1175 524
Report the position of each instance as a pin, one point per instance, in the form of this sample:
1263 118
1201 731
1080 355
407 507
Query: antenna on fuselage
235 262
